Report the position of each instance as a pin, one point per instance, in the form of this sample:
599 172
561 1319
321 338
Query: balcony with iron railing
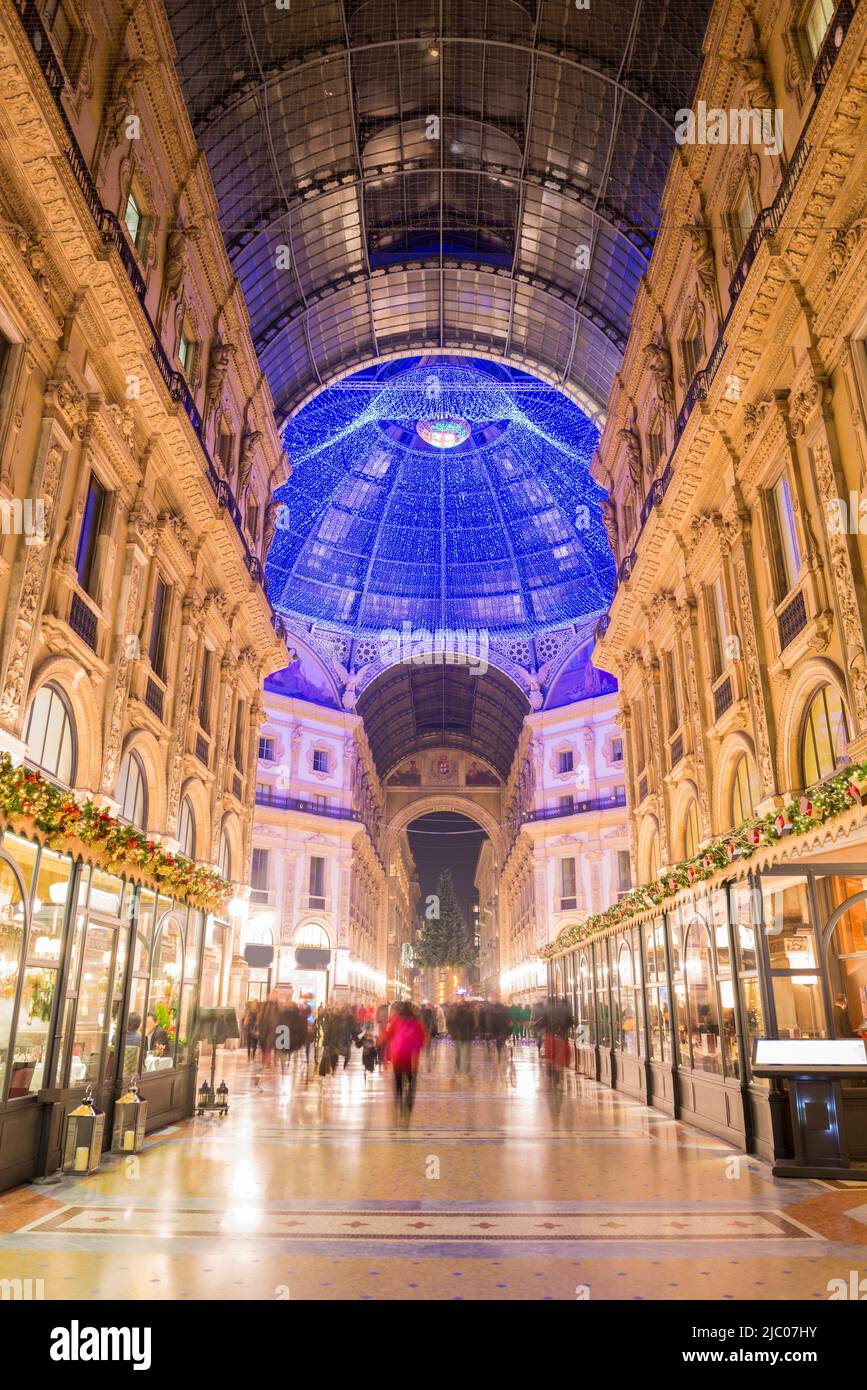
280 802
112 235
578 808
766 225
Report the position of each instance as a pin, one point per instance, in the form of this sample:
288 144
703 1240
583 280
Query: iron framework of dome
398 176
489 519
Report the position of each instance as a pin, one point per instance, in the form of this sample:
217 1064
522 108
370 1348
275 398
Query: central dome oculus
444 434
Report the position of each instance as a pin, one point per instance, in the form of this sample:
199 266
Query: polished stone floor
498 1189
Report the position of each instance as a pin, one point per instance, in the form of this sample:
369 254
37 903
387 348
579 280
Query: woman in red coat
405 1037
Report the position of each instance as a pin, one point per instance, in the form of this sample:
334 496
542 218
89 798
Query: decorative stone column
685 616
127 648
737 544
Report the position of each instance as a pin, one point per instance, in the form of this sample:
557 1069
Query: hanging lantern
222 1097
85 1124
130 1116
707 863
782 823
806 808
692 871
754 835
733 850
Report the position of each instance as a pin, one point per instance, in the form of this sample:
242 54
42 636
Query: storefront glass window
31 1031
94 1004
650 954
166 977
701 1008
185 1024
23 853
847 953
654 1024
602 1002
665 1023
731 1048
586 1027
48 907
628 1026
745 916
754 1017
11 943
798 1002
674 930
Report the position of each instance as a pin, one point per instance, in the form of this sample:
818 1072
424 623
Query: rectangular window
205 690
568 882
691 352
133 218
717 627
672 692
63 32
788 552
320 801
565 761
742 217
617 750
259 868
818 21
240 725
225 449
266 750
655 449
159 629
567 805
628 519
317 882
185 353
320 760
624 871
91 523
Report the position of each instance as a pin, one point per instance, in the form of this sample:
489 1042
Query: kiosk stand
814 1069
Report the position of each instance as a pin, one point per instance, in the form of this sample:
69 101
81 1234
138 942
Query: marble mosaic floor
309 1189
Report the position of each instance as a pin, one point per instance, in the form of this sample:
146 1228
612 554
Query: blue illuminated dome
441 491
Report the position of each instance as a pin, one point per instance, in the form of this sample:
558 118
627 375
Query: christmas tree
443 939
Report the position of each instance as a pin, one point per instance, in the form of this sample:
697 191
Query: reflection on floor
499 1189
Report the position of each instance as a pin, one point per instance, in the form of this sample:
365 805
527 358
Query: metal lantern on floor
205 1097
130 1116
82 1150
222 1096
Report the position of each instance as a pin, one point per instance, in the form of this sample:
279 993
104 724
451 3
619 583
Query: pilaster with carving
126 649
27 587
688 629
188 646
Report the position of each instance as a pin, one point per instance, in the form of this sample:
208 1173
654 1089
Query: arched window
825 735
132 791
690 831
225 864
702 1014
51 734
313 935
745 791
187 829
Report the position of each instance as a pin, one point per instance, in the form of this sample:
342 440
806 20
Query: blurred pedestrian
461 1023
405 1036
250 1026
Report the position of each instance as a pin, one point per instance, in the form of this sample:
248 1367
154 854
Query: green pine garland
812 809
117 848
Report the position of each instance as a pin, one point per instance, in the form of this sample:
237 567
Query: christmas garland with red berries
28 799
810 810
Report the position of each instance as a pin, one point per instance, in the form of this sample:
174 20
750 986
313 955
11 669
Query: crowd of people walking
397 1036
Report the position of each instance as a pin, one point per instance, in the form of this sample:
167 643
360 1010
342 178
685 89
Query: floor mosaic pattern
498 1189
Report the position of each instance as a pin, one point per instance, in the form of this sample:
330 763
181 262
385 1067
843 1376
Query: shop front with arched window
99 982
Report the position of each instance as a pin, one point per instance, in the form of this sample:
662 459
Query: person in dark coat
461 1023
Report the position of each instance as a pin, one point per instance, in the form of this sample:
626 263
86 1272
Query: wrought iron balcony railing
597 803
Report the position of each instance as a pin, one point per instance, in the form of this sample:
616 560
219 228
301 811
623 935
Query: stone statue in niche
631 441
609 521
249 443
269 525
659 362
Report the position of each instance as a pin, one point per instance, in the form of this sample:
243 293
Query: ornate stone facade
753 527
116 443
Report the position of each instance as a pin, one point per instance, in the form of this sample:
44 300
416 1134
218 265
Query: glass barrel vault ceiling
441 492
399 175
